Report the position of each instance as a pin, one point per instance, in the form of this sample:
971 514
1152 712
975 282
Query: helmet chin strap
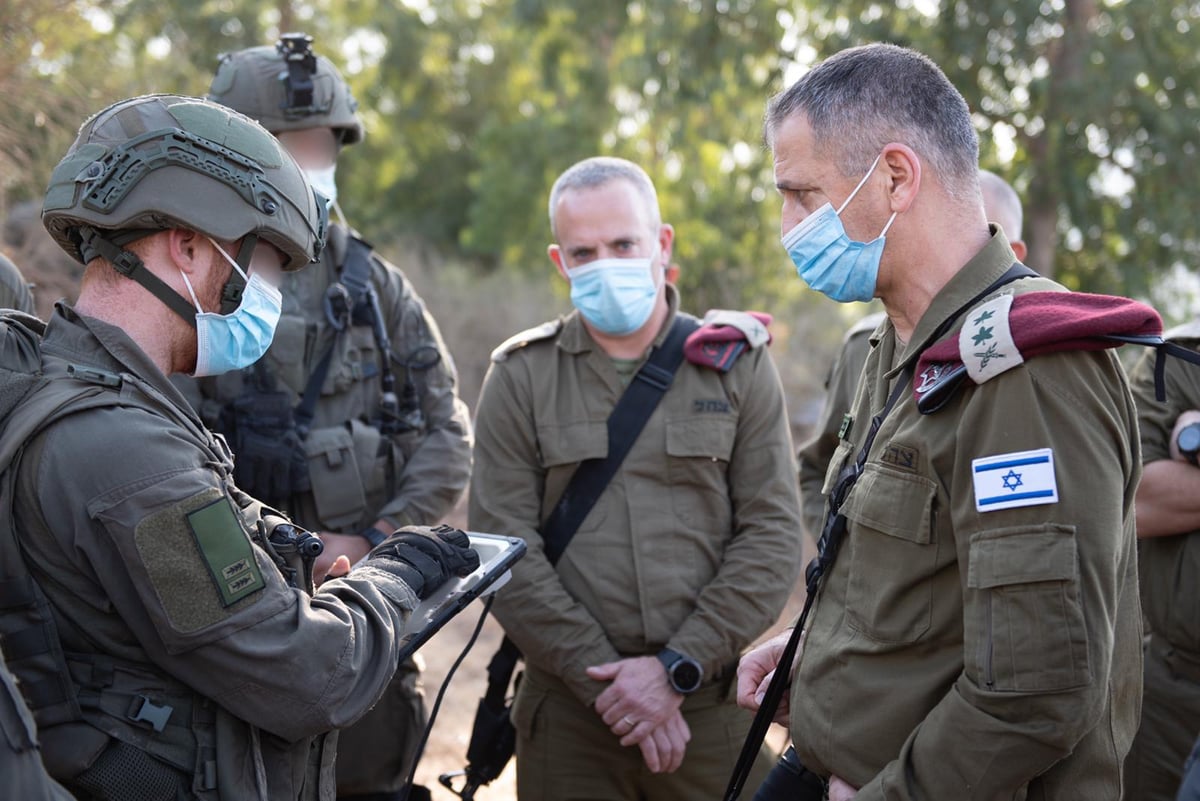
231 293
93 243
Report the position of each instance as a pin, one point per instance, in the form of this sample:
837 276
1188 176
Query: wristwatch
683 672
374 535
1188 441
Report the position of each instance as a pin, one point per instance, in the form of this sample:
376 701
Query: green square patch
226 550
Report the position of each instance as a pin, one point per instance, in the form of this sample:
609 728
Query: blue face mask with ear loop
226 342
614 295
831 262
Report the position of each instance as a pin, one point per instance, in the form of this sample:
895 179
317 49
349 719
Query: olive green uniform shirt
104 503
815 454
346 462
694 544
958 654
1170 566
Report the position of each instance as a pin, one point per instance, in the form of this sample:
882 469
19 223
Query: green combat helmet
162 161
286 88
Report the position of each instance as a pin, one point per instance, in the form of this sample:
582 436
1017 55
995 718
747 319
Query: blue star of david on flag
1012 480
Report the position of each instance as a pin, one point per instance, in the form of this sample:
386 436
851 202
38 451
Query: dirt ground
447 747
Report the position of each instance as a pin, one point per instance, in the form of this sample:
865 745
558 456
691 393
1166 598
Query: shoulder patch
985 342
521 339
199 560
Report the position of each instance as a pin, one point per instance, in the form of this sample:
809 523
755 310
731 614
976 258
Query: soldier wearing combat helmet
162 621
351 422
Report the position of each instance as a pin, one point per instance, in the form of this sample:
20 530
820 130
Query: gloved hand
425 557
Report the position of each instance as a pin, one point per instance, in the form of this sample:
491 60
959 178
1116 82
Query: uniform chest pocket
889 597
562 448
703 437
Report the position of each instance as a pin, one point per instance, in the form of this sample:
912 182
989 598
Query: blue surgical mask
831 262
324 181
232 341
614 295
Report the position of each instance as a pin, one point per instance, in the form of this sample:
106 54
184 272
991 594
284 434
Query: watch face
685 675
1189 438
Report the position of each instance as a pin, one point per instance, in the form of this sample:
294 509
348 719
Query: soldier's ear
188 249
902 167
555 254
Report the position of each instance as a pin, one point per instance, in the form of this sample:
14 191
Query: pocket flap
895 503
703 435
573 442
1022 555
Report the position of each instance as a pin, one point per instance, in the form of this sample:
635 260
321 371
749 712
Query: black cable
437 702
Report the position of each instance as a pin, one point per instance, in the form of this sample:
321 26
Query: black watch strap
374 535
683 673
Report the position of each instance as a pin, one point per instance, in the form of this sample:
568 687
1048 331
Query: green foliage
1100 99
473 107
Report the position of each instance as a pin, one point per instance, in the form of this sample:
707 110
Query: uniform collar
975 276
576 339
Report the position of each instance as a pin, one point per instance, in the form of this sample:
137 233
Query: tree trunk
1048 150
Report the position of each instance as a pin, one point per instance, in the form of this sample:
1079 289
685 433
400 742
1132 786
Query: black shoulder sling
828 545
493 738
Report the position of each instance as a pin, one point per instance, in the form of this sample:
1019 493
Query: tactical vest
108 728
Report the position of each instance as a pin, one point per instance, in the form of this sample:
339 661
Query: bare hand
755 671
350 546
639 699
839 790
664 749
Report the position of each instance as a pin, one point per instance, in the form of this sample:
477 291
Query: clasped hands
640 708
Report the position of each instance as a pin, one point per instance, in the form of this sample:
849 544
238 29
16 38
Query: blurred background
1090 108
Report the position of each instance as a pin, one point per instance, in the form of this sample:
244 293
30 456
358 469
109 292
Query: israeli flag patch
1025 478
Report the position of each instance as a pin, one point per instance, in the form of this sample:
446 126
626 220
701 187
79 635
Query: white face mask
323 181
232 341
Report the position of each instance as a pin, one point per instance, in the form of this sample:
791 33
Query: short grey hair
598 171
862 98
1004 206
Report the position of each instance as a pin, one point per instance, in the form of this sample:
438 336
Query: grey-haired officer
691 549
978 634
174 650
387 440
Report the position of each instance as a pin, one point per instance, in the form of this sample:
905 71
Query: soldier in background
351 422
14 290
1168 528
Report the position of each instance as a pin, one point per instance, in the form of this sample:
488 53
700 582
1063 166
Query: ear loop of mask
238 271
846 202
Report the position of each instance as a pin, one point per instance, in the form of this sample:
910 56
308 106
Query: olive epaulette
521 339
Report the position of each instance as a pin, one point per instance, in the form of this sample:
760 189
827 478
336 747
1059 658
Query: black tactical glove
425 557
